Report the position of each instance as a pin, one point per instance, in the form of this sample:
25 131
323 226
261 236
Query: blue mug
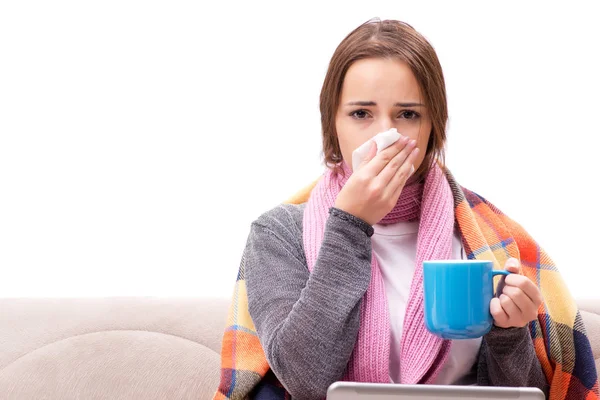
457 297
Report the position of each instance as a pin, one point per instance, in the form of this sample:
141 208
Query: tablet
385 391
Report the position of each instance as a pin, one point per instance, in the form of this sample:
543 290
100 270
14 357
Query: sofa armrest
591 305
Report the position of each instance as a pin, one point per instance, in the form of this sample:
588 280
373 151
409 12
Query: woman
331 288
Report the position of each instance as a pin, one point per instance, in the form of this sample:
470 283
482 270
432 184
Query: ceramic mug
457 297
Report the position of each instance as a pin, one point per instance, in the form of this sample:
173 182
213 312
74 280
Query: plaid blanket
558 333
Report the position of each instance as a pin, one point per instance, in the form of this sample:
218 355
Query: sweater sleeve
307 323
508 358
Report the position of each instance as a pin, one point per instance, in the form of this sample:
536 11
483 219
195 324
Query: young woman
334 284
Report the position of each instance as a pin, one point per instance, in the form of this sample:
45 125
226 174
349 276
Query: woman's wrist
507 340
346 216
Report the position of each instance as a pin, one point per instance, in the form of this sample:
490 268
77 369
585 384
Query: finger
399 180
525 284
392 168
510 308
371 154
523 302
379 162
498 313
518 297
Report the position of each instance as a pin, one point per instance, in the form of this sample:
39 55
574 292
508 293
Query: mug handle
501 284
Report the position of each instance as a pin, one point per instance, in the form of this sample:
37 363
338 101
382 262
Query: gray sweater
308 323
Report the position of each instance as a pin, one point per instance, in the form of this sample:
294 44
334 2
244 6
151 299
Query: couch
127 348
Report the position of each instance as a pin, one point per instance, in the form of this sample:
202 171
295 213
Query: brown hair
386 39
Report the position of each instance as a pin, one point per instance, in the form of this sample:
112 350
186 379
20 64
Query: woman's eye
409 114
359 114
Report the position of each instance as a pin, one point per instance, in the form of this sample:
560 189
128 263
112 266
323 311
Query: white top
395 248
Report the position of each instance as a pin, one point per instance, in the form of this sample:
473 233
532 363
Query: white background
139 139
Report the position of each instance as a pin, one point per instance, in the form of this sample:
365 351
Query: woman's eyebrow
372 104
411 104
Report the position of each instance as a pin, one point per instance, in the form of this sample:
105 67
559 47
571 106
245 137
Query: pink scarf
423 354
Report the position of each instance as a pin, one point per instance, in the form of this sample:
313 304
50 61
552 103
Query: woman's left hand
520 299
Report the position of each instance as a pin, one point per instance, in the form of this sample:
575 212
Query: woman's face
379 94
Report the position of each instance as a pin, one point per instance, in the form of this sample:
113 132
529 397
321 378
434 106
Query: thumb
513 265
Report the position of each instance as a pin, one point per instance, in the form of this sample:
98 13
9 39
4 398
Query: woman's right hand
374 188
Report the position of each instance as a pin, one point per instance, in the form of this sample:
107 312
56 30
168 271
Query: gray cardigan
308 323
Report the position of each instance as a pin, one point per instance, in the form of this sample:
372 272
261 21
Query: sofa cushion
110 348
592 327
114 365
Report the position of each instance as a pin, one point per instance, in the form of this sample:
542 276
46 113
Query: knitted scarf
558 334
421 350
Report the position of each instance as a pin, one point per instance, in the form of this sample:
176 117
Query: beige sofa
126 348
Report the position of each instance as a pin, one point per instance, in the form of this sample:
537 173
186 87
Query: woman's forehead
377 79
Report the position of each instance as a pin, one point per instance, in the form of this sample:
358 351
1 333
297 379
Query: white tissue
383 140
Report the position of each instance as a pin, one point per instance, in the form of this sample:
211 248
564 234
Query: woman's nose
385 124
